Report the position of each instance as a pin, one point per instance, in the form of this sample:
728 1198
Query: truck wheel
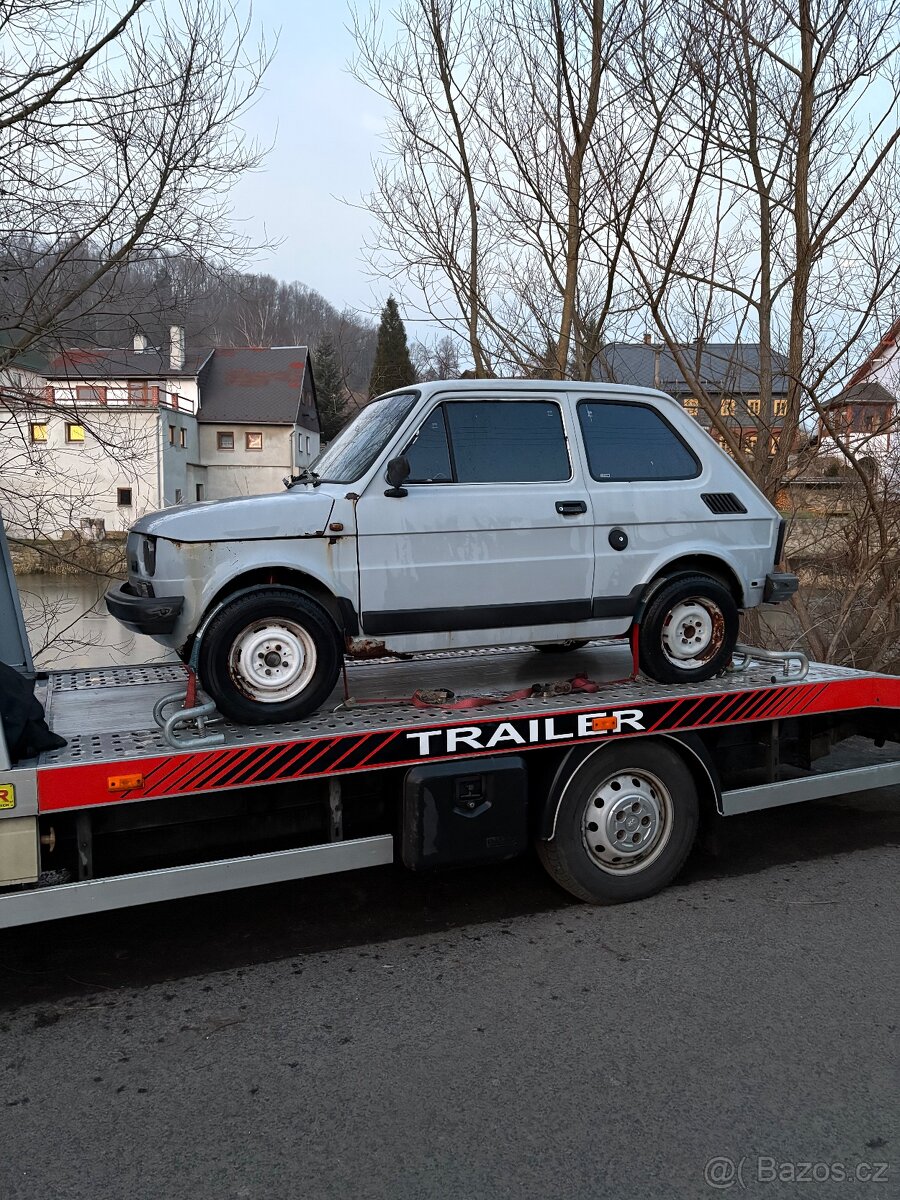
626 822
689 630
270 656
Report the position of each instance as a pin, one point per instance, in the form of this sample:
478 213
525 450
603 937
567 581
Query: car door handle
570 508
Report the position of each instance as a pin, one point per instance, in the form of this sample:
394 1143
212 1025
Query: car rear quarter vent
722 502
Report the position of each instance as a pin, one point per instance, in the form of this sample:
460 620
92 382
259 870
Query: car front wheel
270 656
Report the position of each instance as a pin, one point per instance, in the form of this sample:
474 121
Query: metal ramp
15 650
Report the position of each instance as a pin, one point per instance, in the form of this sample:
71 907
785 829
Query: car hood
300 512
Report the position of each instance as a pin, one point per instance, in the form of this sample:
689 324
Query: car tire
689 630
270 656
626 822
561 647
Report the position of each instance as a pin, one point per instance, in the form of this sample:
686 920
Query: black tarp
24 727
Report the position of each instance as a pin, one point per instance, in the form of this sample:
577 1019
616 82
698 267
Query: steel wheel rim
273 660
693 632
627 822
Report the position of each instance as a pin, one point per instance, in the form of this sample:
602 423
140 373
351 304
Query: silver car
459 514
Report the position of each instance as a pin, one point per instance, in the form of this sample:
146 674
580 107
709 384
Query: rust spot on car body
365 648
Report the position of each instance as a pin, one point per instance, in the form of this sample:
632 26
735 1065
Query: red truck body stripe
191 772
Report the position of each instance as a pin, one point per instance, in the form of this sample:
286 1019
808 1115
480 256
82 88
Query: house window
750 443
179 495
39 431
74 433
182 433
88 395
171 435
753 406
780 408
198 491
691 405
224 441
307 443
123 497
727 408
253 441
773 443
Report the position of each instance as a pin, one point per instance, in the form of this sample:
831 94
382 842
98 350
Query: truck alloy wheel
270 656
689 630
626 819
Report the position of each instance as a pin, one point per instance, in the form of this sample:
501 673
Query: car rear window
474 441
630 442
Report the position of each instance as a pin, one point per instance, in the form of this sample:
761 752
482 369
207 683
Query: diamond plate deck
115 704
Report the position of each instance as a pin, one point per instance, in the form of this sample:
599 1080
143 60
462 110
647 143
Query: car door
495 528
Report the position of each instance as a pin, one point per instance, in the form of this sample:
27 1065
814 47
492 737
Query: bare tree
120 143
561 176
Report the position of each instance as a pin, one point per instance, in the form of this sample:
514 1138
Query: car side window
630 442
429 451
508 441
490 442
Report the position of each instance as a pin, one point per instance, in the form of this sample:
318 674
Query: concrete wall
245 472
49 487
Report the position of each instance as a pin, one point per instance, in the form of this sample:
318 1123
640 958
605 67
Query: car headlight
148 553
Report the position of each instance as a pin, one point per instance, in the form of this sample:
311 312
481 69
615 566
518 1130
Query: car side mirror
397 473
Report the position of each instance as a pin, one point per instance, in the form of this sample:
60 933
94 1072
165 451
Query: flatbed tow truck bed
122 815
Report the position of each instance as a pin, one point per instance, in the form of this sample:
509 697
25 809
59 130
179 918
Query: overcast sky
325 130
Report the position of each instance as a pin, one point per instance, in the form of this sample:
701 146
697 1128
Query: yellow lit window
780 408
727 408
753 406
39 431
74 433
254 441
691 405
773 443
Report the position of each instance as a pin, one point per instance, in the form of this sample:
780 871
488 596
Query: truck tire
626 822
689 630
270 656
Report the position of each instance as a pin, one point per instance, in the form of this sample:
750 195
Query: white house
865 414
104 436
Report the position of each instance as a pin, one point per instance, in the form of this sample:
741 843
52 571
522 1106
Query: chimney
141 341
648 339
176 347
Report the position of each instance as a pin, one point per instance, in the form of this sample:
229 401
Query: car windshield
355 449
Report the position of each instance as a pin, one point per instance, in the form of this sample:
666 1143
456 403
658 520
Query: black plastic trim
143 614
499 616
607 608
483 616
349 619
780 586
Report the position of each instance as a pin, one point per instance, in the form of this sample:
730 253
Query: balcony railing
120 396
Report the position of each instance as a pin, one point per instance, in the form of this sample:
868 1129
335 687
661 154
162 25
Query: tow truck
435 761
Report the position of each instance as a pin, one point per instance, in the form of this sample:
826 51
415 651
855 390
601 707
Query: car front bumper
143 614
780 586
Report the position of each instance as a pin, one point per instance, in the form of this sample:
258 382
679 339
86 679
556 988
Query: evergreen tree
331 395
393 366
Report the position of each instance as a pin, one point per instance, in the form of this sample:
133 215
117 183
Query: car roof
582 387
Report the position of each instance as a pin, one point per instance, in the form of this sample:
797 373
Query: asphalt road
475 1034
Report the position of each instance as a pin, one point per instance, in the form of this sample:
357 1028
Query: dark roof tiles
257 385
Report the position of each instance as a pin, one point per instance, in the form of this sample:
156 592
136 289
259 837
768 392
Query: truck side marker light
124 783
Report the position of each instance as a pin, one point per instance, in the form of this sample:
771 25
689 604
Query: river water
68 625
